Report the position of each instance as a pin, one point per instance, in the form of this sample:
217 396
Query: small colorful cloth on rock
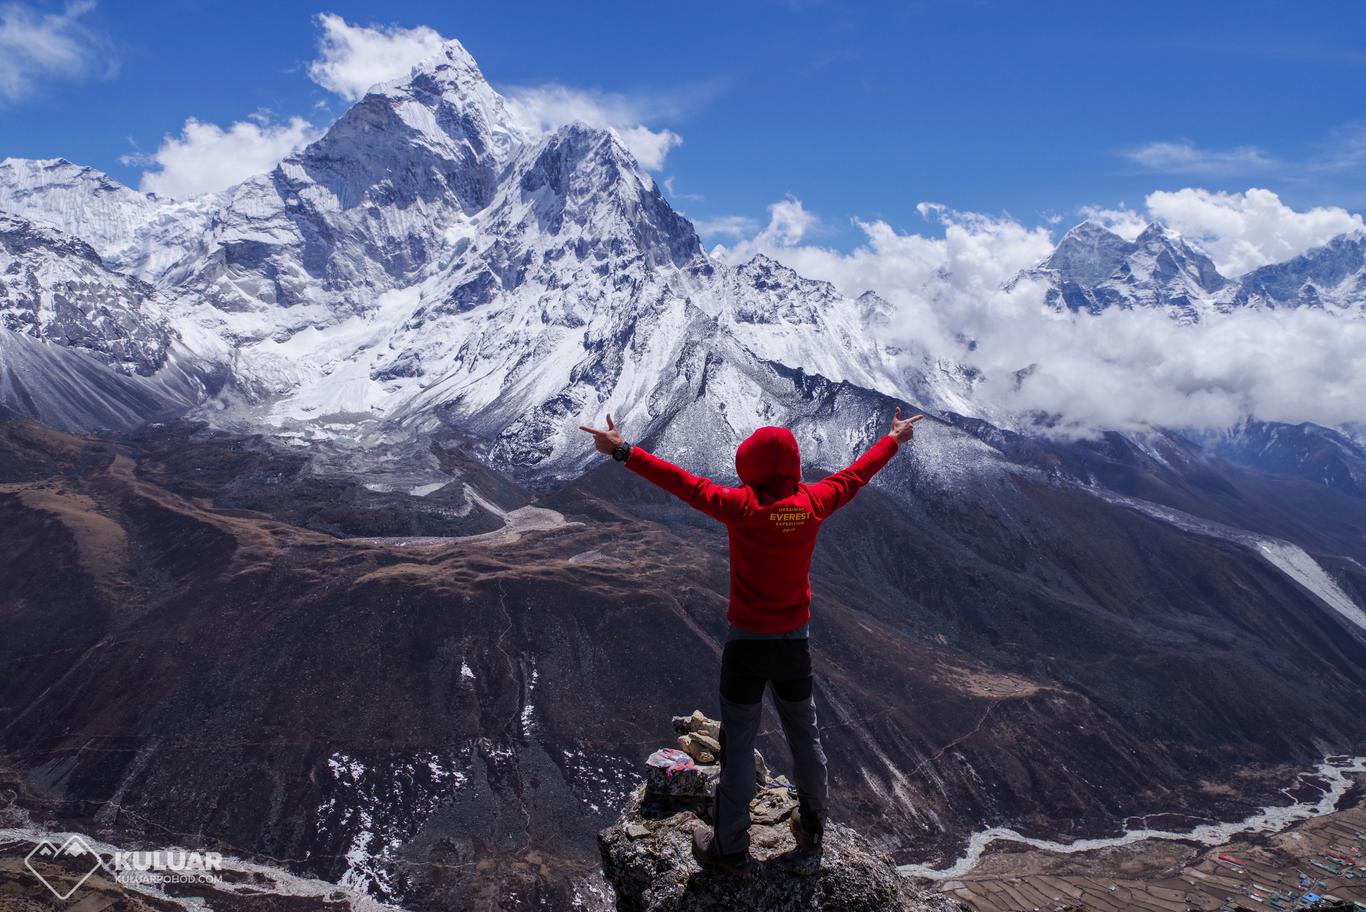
671 760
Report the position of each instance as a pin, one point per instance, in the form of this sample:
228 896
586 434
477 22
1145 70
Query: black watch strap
621 452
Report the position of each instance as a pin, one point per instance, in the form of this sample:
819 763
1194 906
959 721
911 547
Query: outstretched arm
834 491
717 501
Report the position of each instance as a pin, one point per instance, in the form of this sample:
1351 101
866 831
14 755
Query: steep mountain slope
363 210
447 722
54 287
135 233
1333 275
79 201
84 347
1317 454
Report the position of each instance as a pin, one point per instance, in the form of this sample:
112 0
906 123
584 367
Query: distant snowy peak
1093 269
1317 454
1087 255
1333 275
426 177
875 310
54 288
80 201
775 293
784 318
441 131
1162 256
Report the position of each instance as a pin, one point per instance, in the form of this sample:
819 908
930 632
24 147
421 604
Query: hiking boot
810 840
709 856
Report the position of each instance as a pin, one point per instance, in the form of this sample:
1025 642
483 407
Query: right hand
903 431
605 440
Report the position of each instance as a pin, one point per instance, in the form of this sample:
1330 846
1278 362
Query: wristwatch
621 452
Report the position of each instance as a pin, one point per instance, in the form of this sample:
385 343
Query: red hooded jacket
772 520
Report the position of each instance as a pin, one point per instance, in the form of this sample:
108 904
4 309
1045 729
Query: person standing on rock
772 520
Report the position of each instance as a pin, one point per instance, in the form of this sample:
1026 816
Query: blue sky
860 110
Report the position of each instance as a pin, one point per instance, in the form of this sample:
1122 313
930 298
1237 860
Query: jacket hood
770 461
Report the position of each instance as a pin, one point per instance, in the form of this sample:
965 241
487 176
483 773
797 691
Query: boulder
700 736
697 722
700 747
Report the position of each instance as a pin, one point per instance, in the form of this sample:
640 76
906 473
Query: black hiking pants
747 668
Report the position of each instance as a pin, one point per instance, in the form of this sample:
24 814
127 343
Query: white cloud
1135 370
1241 231
1184 157
788 224
1345 150
542 108
205 157
36 45
680 195
1125 370
940 285
352 58
1123 221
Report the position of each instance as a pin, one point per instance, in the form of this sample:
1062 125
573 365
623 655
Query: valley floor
1324 856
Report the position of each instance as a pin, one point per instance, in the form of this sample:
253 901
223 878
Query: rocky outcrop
647 856
56 289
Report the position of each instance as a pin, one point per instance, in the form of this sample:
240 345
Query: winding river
1336 772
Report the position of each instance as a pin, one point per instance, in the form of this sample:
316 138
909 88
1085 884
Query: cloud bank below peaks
1073 374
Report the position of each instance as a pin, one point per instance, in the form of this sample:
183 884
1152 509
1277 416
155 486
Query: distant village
1319 865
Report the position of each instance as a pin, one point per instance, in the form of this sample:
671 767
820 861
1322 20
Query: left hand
903 431
608 440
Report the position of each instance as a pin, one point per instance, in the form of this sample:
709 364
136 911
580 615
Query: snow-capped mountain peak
1093 268
1087 254
584 177
1332 275
1162 258
453 68
445 103
75 199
